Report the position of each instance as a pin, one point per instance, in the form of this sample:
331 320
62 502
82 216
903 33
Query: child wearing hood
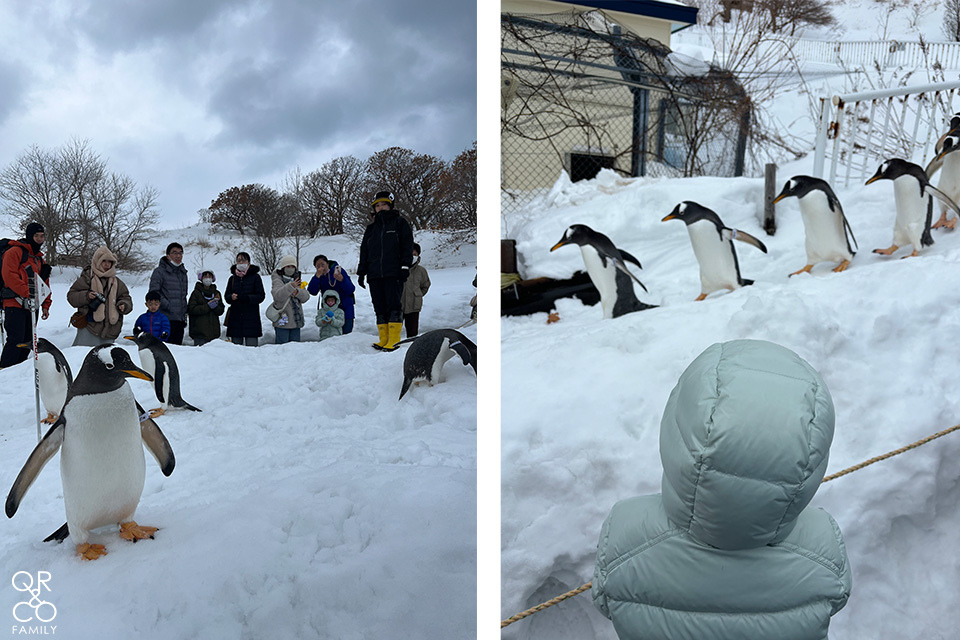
204 309
330 316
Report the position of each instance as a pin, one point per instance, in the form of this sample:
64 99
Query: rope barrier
833 476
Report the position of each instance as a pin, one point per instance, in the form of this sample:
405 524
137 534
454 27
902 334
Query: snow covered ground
307 502
582 398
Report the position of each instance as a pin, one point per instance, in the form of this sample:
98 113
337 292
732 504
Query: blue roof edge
650 8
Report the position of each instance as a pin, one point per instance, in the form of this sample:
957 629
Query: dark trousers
176 332
386 296
347 325
16 322
411 322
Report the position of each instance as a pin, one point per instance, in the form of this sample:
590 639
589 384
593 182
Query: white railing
869 127
886 53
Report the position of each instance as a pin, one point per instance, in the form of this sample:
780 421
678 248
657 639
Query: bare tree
334 194
461 184
417 182
951 20
234 208
269 219
123 218
786 16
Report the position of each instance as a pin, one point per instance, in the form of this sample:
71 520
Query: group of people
389 263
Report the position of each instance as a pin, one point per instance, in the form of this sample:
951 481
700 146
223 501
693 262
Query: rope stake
834 476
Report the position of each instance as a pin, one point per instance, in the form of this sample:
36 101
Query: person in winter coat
205 307
415 287
16 318
153 321
170 279
331 276
330 317
102 297
288 297
386 254
244 293
729 548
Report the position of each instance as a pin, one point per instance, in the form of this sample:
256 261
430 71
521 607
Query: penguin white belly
101 461
950 177
604 278
715 255
165 387
149 364
443 355
826 239
911 212
53 384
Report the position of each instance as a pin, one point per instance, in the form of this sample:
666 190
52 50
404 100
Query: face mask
289 271
242 266
176 263
207 282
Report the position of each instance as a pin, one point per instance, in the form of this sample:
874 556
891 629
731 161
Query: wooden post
769 193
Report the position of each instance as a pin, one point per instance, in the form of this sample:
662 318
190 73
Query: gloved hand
404 274
360 282
213 303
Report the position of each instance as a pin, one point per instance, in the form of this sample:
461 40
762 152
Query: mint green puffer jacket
729 550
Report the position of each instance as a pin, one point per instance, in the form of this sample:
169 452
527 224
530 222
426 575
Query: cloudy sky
196 96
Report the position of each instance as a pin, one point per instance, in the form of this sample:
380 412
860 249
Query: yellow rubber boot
393 334
382 328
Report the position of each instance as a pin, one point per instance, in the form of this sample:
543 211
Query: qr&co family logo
33 613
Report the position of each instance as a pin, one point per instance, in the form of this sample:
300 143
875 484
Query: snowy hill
306 502
582 398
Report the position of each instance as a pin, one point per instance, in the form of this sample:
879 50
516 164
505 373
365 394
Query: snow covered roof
671 10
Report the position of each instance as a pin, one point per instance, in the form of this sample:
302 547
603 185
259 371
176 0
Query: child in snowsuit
153 321
204 309
414 288
330 316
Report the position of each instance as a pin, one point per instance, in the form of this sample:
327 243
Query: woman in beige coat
414 288
101 299
288 299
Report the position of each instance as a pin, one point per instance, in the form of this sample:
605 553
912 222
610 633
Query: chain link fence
579 95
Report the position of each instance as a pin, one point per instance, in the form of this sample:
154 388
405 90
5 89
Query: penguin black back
45 346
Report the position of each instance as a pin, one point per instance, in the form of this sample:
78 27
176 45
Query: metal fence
858 131
577 100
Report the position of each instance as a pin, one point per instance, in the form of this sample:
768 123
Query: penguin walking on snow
100 437
607 268
711 241
430 351
156 358
949 182
54 377
828 234
913 195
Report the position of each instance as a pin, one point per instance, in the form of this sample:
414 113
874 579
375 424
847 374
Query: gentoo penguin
100 438
719 267
607 269
54 376
934 166
428 353
912 193
156 358
827 230
949 182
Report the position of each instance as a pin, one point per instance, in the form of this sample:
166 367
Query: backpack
6 292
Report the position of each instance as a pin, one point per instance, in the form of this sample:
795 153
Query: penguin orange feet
943 222
700 297
156 413
887 251
50 419
842 266
132 531
912 255
91 551
806 269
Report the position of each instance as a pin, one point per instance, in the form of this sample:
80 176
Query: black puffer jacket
244 318
387 247
171 281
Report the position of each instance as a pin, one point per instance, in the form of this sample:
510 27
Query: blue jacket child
153 321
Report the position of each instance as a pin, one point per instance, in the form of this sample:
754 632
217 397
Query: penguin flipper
158 377
156 442
406 387
42 453
629 258
944 198
743 236
620 264
849 230
466 349
59 535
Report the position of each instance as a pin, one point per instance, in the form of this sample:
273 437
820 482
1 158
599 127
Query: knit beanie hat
287 261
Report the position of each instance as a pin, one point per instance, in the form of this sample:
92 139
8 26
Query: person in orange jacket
16 290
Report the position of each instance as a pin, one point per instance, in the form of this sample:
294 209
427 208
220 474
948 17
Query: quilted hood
744 442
